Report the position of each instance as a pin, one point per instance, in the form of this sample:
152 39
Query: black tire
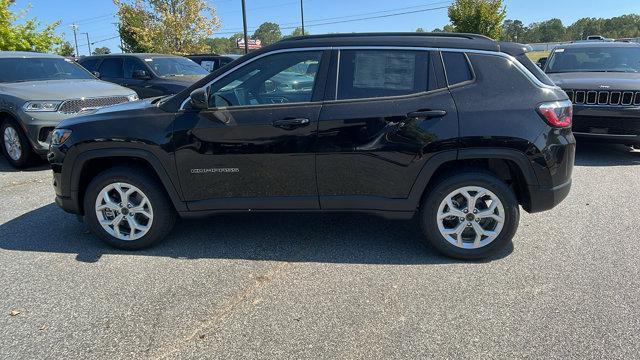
164 215
27 155
446 185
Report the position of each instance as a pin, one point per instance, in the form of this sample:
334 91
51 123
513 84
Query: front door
253 148
388 115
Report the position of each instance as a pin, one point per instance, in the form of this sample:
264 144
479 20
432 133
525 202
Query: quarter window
274 79
456 67
111 68
382 73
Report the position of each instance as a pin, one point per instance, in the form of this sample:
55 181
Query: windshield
175 66
39 69
595 59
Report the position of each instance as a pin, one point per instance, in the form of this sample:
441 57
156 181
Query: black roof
137 55
413 39
598 44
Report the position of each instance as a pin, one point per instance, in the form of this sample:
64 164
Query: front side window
132 65
111 68
382 73
175 67
595 59
274 79
40 69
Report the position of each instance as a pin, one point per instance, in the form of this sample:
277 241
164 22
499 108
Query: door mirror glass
199 99
542 62
141 75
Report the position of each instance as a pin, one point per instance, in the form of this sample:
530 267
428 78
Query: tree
267 33
101 51
420 30
483 17
298 32
65 49
18 34
166 26
513 30
547 31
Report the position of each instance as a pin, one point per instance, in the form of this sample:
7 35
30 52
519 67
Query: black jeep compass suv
456 129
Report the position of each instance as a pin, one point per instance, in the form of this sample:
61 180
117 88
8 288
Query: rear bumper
546 198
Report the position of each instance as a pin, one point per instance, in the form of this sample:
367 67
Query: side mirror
199 99
141 75
542 62
96 74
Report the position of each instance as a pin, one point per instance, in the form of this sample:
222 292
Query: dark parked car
149 75
456 129
211 62
603 81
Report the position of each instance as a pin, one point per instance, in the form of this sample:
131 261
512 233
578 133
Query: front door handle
427 114
290 124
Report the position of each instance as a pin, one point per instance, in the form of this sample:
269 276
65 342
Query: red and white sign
253 44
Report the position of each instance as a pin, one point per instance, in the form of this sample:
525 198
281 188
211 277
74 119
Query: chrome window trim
512 60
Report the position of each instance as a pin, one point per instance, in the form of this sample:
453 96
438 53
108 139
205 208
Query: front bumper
614 124
38 128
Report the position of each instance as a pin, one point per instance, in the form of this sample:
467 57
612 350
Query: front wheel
15 145
128 209
470 215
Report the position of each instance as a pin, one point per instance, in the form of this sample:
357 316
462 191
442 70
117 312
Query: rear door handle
290 124
427 114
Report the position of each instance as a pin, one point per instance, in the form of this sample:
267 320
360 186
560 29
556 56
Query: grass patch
536 55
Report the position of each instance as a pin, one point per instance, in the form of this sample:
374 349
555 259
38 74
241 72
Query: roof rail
425 34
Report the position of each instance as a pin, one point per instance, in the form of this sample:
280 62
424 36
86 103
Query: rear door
384 117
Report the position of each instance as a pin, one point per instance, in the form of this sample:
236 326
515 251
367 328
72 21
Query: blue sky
97 16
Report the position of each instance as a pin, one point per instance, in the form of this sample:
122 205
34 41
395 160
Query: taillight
557 113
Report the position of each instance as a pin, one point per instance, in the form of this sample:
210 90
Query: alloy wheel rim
124 211
12 143
471 217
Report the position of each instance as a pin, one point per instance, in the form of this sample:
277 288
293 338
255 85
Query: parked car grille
78 105
613 98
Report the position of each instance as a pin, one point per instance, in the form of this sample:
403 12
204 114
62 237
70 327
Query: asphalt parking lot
334 286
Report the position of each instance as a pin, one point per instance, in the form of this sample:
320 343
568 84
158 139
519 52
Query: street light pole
88 43
74 27
244 25
302 16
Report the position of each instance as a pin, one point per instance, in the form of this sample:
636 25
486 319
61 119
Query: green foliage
101 51
166 26
267 33
298 32
547 31
65 49
420 30
224 45
483 17
513 30
17 34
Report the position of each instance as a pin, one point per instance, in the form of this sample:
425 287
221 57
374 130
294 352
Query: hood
185 81
63 89
597 80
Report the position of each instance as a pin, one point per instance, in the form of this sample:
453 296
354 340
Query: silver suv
37 91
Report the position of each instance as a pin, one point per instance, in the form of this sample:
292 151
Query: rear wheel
15 145
470 216
128 209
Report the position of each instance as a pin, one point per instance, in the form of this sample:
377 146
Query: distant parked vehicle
149 75
212 62
37 91
602 79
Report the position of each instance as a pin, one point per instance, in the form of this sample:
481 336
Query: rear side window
111 68
382 73
457 67
90 64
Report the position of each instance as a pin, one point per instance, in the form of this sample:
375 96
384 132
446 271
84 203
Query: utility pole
244 24
74 27
302 16
88 43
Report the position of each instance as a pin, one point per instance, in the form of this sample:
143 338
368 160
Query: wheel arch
92 162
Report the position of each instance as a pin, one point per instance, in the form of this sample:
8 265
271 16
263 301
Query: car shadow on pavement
600 154
329 238
37 165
